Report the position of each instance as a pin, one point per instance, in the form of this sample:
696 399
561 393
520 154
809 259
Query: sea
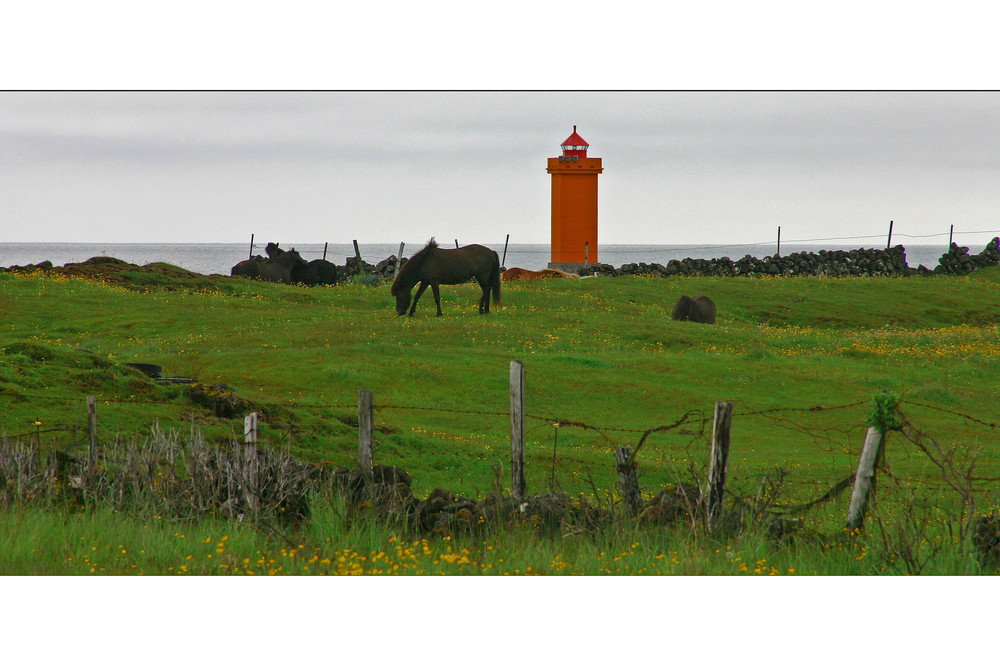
219 258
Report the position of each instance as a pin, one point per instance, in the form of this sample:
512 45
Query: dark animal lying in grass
433 266
699 309
278 268
316 272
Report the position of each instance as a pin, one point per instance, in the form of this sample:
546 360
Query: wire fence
646 251
839 440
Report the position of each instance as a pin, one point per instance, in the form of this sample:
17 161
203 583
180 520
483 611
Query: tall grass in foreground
40 541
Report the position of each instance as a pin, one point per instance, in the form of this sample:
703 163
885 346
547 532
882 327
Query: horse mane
412 265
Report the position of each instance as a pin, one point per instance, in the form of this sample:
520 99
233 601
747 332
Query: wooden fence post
629 480
366 432
719 457
252 462
399 260
250 430
92 430
864 480
517 486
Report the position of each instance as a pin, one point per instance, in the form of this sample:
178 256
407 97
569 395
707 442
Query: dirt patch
514 274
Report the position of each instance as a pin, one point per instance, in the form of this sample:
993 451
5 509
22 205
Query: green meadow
800 358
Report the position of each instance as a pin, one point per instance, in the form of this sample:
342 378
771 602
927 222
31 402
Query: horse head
402 301
682 309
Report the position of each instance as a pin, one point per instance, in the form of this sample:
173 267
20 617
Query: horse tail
495 279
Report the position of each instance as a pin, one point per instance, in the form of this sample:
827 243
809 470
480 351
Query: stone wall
859 262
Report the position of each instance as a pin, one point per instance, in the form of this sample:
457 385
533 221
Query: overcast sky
679 168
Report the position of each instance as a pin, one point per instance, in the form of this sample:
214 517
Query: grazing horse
436 266
699 309
278 268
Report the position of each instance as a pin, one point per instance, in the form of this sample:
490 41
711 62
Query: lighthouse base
568 267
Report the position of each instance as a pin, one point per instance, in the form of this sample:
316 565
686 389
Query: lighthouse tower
574 205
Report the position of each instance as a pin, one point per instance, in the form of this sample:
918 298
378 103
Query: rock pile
388 497
958 261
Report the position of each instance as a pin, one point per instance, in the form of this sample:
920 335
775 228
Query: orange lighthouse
574 204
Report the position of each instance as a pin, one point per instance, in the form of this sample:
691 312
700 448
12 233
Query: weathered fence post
251 460
629 480
366 432
399 260
503 262
517 486
888 243
325 246
719 457
251 247
250 430
357 251
92 430
864 480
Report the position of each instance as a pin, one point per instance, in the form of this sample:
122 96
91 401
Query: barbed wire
813 408
992 425
501 413
28 434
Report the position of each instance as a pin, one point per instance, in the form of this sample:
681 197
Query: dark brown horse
433 266
699 309
277 268
316 272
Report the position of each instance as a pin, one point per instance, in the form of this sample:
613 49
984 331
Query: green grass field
800 358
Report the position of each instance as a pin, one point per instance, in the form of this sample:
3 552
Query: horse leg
484 300
416 297
437 297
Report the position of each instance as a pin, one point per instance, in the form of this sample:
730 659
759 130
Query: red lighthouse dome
574 145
